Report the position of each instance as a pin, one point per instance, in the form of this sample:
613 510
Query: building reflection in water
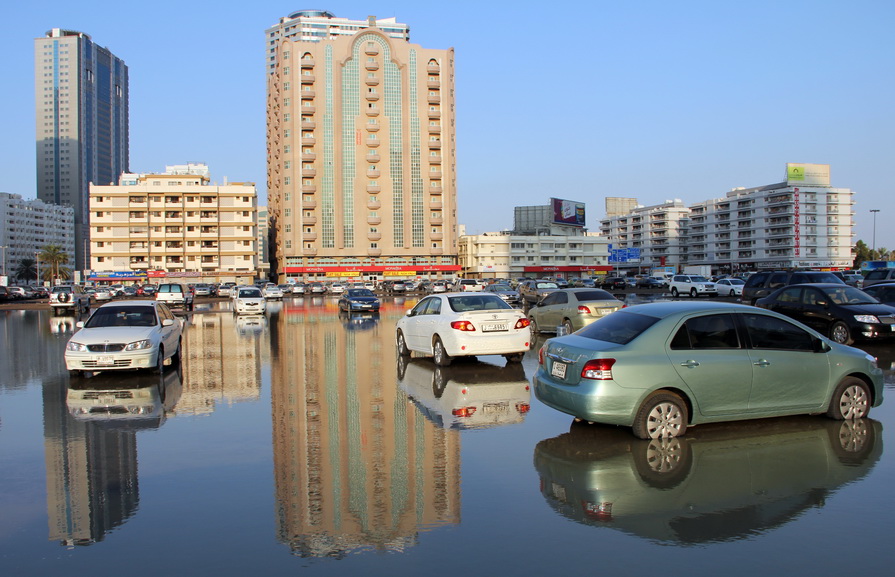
90 448
718 483
223 358
356 466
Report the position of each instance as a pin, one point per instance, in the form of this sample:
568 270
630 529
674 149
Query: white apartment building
648 236
802 222
173 226
27 226
507 255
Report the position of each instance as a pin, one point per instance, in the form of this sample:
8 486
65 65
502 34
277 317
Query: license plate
558 370
105 361
491 327
490 408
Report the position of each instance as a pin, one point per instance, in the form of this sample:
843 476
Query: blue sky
581 100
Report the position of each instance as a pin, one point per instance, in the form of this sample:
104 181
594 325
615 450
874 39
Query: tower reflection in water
356 466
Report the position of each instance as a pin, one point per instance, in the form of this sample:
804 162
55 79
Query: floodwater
297 443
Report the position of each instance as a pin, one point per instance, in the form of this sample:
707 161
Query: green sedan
571 309
661 367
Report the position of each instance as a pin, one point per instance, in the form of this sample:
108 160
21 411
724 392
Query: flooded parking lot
298 441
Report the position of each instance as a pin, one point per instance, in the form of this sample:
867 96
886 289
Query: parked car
272 291
103 293
202 290
125 335
572 309
693 285
731 287
149 289
337 288
884 292
533 291
879 275
358 299
614 283
436 286
583 283
661 367
761 284
247 300
40 291
841 312
851 279
226 289
463 324
175 294
505 292
649 282
71 298
466 285
315 288
5 295
19 293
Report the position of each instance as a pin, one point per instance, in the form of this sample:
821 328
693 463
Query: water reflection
721 483
356 467
468 394
90 448
355 321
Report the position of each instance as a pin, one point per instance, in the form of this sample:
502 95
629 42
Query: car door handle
762 363
690 364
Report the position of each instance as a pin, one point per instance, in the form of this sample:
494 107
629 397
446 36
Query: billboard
800 173
568 212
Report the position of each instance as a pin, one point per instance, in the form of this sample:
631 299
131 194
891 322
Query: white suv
693 285
467 284
175 293
69 298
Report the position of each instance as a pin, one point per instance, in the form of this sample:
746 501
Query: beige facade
176 226
361 158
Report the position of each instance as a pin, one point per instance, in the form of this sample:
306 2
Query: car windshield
620 327
594 295
547 285
500 287
698 278
477 303
846 295
735 281
360 293
249 293
122 316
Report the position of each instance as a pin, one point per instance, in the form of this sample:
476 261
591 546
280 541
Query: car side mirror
820 346
167 323
80 324
823 303
409 313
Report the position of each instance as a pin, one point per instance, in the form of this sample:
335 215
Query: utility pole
874 211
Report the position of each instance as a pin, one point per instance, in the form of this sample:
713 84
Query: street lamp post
874 211
37 264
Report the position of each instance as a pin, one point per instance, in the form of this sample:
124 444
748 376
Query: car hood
363 299
870 309
90 336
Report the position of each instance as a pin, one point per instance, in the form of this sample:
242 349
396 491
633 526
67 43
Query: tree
26 270
53 256
864 253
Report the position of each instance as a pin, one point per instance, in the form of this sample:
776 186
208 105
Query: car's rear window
477 303
594 295
169 288
620 327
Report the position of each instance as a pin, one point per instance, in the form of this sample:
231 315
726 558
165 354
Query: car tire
533 326
851 400
176 358
662 463
662 415
442 359
840 333
514 357
567 324
674 291
159 367
439 382
693 293
403 350
731 293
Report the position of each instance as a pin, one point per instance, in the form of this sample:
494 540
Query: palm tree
26 270
53 256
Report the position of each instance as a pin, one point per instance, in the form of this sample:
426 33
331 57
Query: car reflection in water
131 401
358 321
719 483
248 325
467 394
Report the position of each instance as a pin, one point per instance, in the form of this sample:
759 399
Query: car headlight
866 319
76 347
139 345
872 360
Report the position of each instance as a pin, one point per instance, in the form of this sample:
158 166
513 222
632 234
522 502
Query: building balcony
436 220
372 142
436 189
374 251
374 173
372 126
309 251
308 204
436 250
435 159
308 94
308 141
307 62
433 68
374 189
434 129
371 65
435 175
434 99
434 114
435 204
308 236
309 220
372 96
309 188
372 81
373 157
374 220
309 172
308 125
434 144
308 108
139 265
372 111
308 156
374 236
436 236
374 204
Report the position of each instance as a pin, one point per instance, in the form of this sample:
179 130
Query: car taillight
523 407
522 323
583 310
463 326
463 412
541 356
598 369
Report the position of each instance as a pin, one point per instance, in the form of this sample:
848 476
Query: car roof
130 303
662 309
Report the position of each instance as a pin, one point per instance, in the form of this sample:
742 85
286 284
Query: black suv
761 284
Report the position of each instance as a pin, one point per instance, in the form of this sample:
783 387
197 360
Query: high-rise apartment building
361 156
81 100
27 226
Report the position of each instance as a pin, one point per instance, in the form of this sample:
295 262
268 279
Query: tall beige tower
361 166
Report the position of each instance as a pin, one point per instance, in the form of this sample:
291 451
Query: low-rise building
27 226
177 226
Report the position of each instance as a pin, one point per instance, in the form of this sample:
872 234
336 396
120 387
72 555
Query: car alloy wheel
674 292
403 350
663 415
839 332
159 361
851 400
442 359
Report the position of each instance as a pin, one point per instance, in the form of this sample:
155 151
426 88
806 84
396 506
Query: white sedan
732 287
272 291
463 324
125 335
248 300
